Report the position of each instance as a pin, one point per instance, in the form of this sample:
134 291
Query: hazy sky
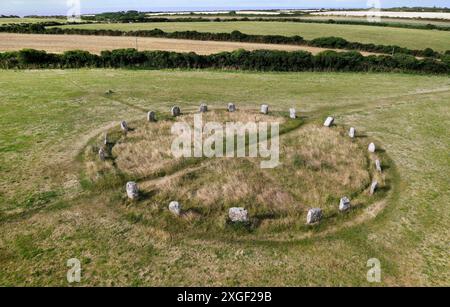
60 7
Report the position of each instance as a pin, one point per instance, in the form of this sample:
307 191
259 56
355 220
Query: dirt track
95 44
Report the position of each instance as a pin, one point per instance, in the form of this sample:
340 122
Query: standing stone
373 187
132 190
105 140
329 121
378 165
372 147
175 111
151 116
265 109
175 208
124 126
292 113
238 215
102 154
203 108
314 215
231 107
344 204
352 132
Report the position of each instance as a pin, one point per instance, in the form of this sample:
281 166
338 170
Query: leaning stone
373 187
238 215
292 113
344 204
175 111
265 109
132 190
314 216
175 208
151 116
378 165
203 108
231 107
352 132
102 154
124 126
329 121
372 147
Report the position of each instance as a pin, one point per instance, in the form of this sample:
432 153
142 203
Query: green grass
46 217
29 20
410 38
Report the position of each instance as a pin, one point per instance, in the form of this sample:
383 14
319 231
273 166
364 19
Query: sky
61 7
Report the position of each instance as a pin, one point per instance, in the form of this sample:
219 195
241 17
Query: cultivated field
410 38
426 15
96 44
49 212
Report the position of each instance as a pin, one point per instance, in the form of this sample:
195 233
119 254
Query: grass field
410 38
29 20
48 214
96 44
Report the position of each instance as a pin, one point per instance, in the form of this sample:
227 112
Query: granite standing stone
329 121
231 107
203 108
373 187
292 113
378 165
265 109
352 132
102 154
175 111
372 148
238 215
151 116
124 126
175 207
314 216
344 204
132 190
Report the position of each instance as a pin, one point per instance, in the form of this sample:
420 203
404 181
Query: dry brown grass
96 44
318 166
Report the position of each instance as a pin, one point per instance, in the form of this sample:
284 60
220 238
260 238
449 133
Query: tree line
235 36
259 60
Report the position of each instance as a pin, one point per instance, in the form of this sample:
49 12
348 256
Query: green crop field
49 213
29 20
410 38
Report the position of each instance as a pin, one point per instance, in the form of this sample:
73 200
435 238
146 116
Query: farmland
96 44
410 38
49 214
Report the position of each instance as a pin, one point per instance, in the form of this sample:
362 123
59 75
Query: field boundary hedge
259 60
235 36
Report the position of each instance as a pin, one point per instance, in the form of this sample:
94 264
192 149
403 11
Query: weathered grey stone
175 111
344 204
329 121
238 215
314 215
151 116
378 165
265 109
203 108
352 132
124 126
175 207
372 148
132 190
231 107
373 187
102 154
292 113
105 140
